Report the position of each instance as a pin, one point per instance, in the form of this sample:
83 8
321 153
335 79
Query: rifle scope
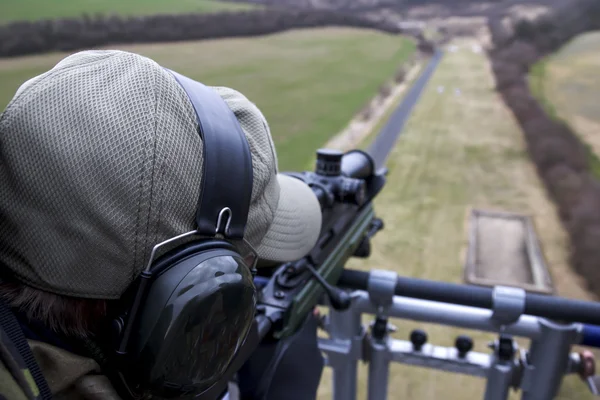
339 177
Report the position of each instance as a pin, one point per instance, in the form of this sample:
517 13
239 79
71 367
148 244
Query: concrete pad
503 249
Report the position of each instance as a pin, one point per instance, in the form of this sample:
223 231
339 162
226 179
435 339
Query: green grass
308 83
18 10
567 84
537 77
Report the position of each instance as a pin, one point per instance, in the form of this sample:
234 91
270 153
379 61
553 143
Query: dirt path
461 149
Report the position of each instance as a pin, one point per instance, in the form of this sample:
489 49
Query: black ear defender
190 311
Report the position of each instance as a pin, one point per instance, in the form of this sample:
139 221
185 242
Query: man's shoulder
9 388
69 376
16 381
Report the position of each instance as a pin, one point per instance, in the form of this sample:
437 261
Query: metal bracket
508 305
229 213
158 246
381 287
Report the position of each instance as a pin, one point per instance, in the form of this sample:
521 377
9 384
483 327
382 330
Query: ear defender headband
226 187
191 310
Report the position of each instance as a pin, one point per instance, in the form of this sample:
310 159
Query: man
100 160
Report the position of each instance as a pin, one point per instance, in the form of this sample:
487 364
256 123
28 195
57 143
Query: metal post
499 380
381 286
379 368
508 305
548 360
345 330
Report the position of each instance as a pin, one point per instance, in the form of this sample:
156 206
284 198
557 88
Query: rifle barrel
545 306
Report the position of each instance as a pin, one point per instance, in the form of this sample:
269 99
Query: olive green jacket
69 376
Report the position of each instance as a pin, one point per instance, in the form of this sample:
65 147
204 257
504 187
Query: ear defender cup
196 315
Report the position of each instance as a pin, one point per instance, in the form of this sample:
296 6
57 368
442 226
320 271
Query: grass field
18 10
568 83
457 152
308 83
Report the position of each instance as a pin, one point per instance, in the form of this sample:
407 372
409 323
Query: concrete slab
503 249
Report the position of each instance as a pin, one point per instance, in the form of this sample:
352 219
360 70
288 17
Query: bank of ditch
568 88
562 160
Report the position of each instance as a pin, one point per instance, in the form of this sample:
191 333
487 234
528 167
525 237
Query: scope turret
329 162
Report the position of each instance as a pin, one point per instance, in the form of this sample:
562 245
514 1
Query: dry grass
457 152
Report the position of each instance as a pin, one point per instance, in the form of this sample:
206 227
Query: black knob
364 248
329 162
418 338
380 328
506 348
353 191
464 344
339 299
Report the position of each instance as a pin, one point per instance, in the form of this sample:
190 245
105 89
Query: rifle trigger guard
381 287
508 304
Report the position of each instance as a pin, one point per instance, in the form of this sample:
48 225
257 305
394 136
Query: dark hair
70 316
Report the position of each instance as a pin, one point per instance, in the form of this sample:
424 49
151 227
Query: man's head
100 160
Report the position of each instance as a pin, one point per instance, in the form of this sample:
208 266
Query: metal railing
537 371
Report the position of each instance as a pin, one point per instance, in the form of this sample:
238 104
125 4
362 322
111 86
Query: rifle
346 185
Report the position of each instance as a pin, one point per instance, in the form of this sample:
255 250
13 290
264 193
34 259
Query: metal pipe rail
446 314
545 306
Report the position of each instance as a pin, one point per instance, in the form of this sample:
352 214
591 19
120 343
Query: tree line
69 34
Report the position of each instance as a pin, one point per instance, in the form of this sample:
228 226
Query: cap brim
297 223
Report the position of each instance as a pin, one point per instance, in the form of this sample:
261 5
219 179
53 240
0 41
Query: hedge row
22 38
559 155
337 5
